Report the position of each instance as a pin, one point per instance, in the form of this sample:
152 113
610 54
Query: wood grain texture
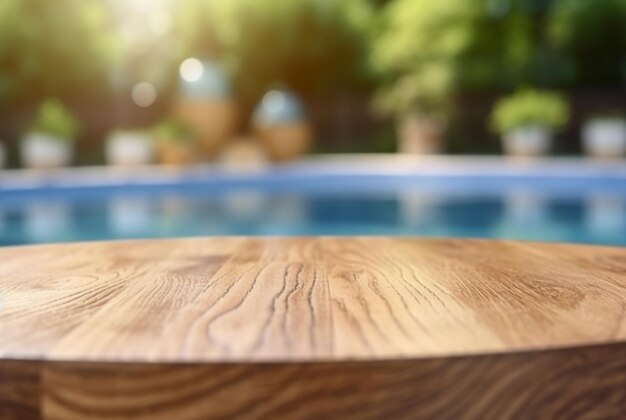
309 327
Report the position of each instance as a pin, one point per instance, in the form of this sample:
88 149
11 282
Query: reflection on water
175 216
131 216
48 221
526 215
525 208
285 214
534 216
245 206
519 214
418 208
605 215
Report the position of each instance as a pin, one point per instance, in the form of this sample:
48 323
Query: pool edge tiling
357 327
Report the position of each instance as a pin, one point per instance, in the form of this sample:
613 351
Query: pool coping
449 167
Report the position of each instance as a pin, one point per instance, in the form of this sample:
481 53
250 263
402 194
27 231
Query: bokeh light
144 94
191 70
274 100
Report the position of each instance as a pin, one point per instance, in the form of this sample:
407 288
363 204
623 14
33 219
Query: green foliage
173 131
310 46
415 33
196 26
52 48
527 107
416 50
427 51
505 48
145 49
423 52
55 120
592 34
427 92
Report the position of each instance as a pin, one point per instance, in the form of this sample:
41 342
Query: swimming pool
552 200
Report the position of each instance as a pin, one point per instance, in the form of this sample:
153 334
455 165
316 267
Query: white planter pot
129 148
604 137
3 156
530 140
39 150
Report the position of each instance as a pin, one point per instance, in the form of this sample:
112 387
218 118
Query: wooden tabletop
354 327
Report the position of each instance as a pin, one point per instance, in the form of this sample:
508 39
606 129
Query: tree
592 33
428 50
416 50
53 48
308 45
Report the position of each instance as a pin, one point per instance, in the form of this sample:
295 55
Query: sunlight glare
191 70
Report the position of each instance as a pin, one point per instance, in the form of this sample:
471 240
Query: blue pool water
527 206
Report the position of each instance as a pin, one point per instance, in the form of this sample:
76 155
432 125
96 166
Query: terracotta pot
40 150
285 141
243 155
605 137
527 141
213 120
172 153
420 135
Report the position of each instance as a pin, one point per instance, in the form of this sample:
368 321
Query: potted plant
205 103
527 120
420 103
49 140
175 142
604 135
129 147
421 50
281 125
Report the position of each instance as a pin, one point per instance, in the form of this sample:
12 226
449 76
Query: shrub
173 131
592 34
415 54
55 120
53 48
428 51
527 107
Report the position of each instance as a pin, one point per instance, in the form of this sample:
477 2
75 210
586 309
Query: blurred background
205 100
202 80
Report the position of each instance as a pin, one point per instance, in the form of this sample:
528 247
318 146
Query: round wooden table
354 327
